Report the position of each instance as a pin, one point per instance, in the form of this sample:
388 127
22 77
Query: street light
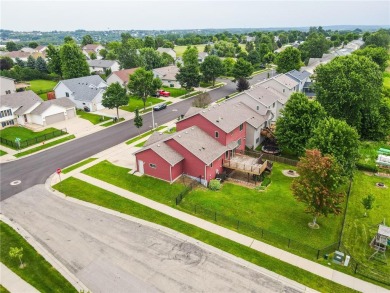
152 115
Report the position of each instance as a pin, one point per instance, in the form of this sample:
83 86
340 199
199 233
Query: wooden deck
246 164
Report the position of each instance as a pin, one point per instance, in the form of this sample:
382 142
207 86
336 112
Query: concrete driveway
110 254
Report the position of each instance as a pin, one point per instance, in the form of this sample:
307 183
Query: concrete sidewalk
315 268
13 283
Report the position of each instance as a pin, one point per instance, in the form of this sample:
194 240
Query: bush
215 184
266 182
367 167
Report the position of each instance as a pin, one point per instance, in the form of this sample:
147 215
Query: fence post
195 209
238 224
318 254
176 200
262 233
289 240
356 267
215 216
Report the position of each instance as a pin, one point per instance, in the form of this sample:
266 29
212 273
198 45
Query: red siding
177 170
162 169
235 135
212 171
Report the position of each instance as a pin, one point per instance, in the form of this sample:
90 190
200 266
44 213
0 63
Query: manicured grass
359 230
86 192
40 86
109 123
175 92
45 146
135 103
38 272
368 152
171 130
180 49
93 118
134 139
386 79
147 186
3 290
13 132
78 165
140 145
2 153
43 96
190 95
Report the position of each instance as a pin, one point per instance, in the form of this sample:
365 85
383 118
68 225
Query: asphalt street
37 168
111 254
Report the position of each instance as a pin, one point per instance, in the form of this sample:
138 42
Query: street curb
184 238
50 258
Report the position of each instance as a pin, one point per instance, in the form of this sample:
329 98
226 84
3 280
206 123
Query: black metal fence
32 141
186 190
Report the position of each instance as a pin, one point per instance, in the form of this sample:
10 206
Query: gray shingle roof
298 75
155 137
22 100
63 102
167 153
101 63
286 81
263 95
84 88
167 72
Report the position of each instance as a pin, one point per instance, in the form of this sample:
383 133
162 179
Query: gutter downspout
170 172
205 173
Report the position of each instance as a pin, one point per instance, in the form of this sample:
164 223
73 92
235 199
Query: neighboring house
84 91
7 85
41 49
92 48
202 56
300 76
28 50
121 76
169 51
18 54
250 39
28 108
283 84
101 66
167 75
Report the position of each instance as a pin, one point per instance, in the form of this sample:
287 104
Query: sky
68 15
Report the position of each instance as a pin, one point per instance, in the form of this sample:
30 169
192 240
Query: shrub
367 167
215 184
266 182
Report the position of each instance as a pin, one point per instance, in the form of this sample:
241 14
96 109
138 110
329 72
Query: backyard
11 133
135 102
42 87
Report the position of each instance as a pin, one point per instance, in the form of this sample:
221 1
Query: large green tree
11 46
40 64
114 97
297 122
150 59
337 138
87 39
150 42
288 60
143 84
348 87
127 53
138 121
377 54
380 38
6 63
314 46
53 60
242 69
228 64
211 68
318 185
31 62
190 56
188 77
73 62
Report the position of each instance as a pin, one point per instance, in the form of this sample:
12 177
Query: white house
299 76
202 56
167 75
41 49
7 85
169 51
101 66
283 84
28 108
85 92
92 48
121 76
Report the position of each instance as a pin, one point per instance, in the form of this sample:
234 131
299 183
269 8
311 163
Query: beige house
121 76
167 75
92 48
7 85
169 51
283 84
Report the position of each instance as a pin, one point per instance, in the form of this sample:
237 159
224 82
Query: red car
162 93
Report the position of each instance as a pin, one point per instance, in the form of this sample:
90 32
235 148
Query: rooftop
23 101
84 88
101 63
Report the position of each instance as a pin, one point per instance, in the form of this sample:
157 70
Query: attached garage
54 118
99 106
70 113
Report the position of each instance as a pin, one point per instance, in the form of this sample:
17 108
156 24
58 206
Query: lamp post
152 115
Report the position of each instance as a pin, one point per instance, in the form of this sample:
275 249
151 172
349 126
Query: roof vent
186 132
158 145
203 148
179 135
192 128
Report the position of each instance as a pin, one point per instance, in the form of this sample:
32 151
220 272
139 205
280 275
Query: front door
141 166
25 118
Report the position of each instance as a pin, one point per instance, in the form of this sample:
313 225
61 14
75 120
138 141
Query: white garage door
54 118
70 113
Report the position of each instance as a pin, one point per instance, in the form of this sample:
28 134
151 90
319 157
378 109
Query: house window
257 107
7 92
9 112
283 90
152 166
265 123
257 140
273 105
239 141
227 154
241 126
67 94
216 134
211 164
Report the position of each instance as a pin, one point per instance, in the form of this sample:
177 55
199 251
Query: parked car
159 107
162 93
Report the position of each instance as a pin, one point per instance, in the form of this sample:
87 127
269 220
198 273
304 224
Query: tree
73 62
228 63
211 68
347 87
20 62
202 100
242 84
377 54
318 185
190 56
127 54
269 58
40 64
138 121
254 58
6 63
87 39
143 84
380 38
33 45
337 138
249 46
167 59
288 60
297 122
188 77
15 252
53 60
11 46
314 46
242 68
103 53
114 97
368 203
68 39
150 59
31 62
149 42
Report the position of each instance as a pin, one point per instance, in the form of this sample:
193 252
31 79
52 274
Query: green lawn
135 103
175 92
180 49
38 272
93 118
140 145
3 290
134 139
86 192
41 87
44 146
190 95
359 230
109 123
2 153
386 79
78 165
13 132
43 96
